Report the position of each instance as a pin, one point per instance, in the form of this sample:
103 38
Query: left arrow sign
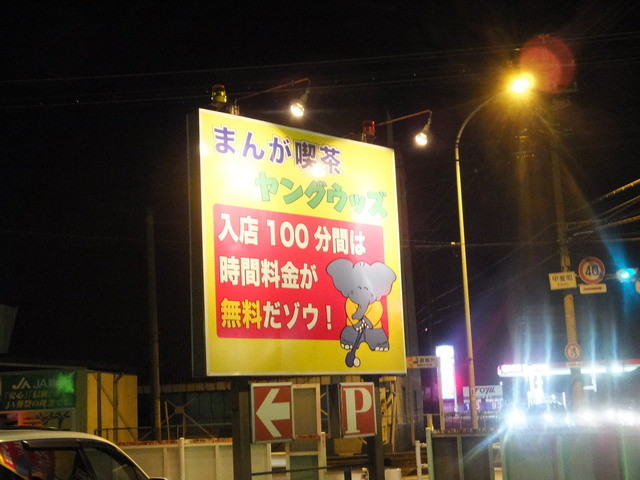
273 412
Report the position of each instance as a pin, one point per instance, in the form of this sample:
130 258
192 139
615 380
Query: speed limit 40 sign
591 270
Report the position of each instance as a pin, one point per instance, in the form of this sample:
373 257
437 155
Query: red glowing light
551 61
369 128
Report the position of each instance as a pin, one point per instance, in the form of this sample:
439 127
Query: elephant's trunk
362 309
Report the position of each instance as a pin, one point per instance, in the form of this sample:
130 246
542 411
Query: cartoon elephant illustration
363 285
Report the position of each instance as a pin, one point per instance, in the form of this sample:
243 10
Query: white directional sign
272 407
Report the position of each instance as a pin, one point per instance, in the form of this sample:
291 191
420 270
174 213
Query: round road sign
573 352
591 270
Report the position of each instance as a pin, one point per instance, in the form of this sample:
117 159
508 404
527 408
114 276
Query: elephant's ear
382 278
341 271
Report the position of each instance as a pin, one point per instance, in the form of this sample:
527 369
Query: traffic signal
627 274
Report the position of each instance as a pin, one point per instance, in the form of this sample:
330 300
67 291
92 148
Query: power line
416 68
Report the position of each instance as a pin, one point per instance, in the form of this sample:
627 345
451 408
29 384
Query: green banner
38 391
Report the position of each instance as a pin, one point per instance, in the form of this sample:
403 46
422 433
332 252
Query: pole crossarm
405 117
277 87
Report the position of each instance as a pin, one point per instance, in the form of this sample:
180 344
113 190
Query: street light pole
570 320
473 407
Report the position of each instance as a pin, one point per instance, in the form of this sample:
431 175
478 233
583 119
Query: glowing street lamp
518 87
421 138
523 83
297 107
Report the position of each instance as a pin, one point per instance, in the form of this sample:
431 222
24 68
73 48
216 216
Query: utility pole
577 390
412 382
154 355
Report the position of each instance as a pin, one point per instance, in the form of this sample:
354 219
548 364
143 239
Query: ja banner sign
38 391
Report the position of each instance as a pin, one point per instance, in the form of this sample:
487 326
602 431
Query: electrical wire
422 70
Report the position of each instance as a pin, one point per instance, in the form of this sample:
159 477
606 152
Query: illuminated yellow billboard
297 255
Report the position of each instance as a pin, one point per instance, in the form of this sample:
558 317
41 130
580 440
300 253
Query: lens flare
550 61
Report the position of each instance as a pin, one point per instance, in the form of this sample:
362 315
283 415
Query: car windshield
109 465
21 461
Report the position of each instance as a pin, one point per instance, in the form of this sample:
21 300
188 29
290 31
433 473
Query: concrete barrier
392 474
201 459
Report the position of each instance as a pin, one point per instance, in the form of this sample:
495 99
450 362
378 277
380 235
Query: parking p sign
357 409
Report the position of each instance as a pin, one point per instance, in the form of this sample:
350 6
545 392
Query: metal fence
167 432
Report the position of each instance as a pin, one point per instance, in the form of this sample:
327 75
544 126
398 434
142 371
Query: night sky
93 105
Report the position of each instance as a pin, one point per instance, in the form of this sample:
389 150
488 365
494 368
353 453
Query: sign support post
443 425
431 361
241 435
375 447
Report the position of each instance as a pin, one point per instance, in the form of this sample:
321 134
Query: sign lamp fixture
421 138
369 128
297 107
219 98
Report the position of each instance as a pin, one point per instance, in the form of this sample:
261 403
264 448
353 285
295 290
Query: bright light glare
617 368
587 417
421 139
318 170
297 109
626 274
447 370
522 84
204 149
621 417
516 418
626 417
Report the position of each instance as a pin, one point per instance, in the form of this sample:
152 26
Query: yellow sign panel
423 361
562 280
300 252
